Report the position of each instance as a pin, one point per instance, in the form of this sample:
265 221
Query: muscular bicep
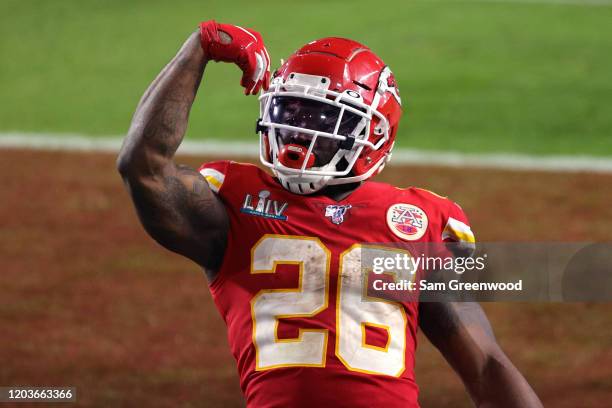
179 210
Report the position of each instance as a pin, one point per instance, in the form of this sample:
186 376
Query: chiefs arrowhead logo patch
407 221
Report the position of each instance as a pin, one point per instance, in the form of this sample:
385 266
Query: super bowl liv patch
264 206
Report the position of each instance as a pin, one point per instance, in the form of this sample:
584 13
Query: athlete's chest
270 211
366 216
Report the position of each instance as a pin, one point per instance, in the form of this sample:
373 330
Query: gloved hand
242 46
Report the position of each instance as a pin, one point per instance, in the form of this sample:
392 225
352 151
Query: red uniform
303 332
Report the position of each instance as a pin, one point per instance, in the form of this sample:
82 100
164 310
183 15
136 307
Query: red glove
244 47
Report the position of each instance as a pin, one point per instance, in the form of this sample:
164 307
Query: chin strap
302 188
314 183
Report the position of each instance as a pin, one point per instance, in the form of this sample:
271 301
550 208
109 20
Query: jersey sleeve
457 227
214 173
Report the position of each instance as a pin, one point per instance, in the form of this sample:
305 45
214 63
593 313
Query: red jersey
301 327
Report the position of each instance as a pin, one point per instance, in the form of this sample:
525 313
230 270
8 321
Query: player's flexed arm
462 333
174 203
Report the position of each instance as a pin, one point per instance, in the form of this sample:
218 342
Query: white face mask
311 137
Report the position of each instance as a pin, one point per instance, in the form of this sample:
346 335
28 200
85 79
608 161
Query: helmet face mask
311 122
312 136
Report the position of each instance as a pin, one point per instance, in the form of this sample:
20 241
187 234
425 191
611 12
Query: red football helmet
329 117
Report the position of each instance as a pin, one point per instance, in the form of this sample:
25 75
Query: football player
283 251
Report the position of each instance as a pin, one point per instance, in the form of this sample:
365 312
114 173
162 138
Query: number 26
354 309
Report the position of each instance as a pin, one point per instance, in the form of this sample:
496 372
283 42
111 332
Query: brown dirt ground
88 300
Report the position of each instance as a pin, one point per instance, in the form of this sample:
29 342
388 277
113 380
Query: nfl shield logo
336 213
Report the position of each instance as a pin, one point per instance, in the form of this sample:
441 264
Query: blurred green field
475 76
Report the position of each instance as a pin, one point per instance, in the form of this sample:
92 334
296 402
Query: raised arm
174 203
462 333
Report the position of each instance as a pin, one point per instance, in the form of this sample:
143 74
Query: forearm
175 203
463 334
160 120
501 385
